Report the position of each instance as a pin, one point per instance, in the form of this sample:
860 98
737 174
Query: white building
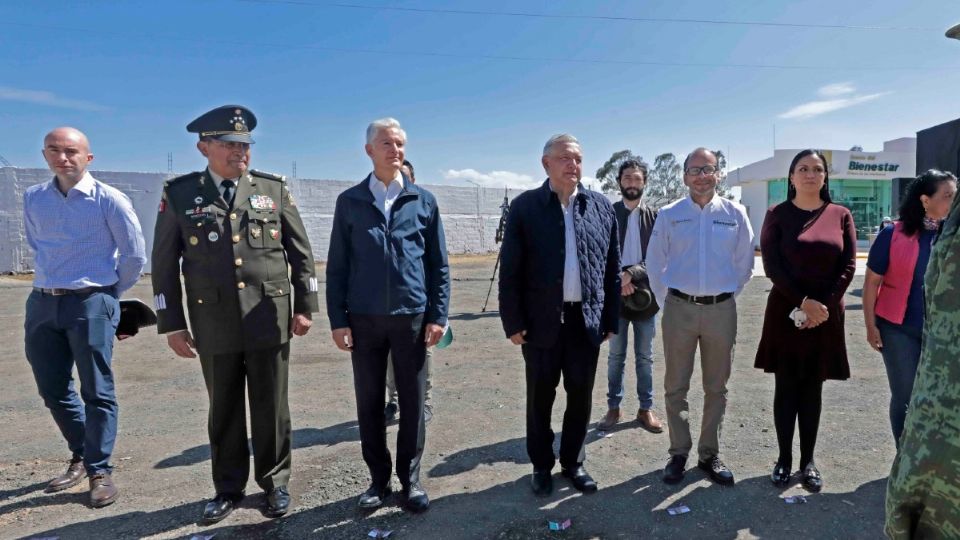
861 181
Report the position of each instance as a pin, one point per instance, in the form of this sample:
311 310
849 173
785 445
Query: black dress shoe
415 498
278 502
716 470
673 472
542 482
220 507
374 496
781 474
812 480
580 479
390 412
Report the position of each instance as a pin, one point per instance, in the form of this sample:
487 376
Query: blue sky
477 93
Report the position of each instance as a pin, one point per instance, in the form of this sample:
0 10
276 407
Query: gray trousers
714 328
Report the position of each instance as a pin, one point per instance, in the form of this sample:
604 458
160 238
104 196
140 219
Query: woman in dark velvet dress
809 250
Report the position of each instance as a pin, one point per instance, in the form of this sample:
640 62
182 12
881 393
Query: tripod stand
504 210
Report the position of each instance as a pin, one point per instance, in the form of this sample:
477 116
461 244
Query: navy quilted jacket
531 265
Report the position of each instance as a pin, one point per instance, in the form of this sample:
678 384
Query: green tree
607 173
665 184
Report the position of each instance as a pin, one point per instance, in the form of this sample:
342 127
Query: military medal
213 236
198 200
255 232
262 202
194 240
274 234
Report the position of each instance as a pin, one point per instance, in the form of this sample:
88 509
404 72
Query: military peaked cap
232 123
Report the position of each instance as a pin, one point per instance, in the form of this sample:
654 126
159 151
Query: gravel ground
475 466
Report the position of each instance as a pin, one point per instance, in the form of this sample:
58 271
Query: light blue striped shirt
90 238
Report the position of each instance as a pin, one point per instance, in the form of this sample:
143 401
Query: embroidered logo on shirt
725 223
678 221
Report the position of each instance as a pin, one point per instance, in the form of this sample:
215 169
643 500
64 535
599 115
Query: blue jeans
61 331
643 333
901 355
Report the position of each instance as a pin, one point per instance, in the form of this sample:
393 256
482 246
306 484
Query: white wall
470 215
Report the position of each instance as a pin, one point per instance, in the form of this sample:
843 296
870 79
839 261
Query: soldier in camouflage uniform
238 234
923 491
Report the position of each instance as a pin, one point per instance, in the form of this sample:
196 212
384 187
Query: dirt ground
475 466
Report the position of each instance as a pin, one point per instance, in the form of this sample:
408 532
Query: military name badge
194 240
197 213
262 202
213 236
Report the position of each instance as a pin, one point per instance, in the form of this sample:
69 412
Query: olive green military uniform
235 264
923 491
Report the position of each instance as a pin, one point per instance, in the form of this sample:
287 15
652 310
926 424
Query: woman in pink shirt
893 295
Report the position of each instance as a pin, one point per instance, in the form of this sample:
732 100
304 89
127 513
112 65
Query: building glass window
867 200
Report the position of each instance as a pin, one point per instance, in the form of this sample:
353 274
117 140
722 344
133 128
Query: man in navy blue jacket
388 290
559 300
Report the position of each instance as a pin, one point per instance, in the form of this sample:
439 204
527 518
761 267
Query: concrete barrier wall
470 215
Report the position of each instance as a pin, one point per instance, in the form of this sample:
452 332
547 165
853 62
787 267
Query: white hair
383 123
560 138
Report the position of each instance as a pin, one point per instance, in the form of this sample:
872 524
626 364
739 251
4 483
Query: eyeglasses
697 171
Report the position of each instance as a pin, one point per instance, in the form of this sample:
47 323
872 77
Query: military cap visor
230 123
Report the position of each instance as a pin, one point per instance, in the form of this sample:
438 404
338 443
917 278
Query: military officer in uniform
238 239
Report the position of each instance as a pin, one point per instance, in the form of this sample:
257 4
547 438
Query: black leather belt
64 292
571 305
701 300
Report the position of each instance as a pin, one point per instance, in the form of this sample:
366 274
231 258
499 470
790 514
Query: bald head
67 152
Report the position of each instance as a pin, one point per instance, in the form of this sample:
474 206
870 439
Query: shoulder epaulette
189 176
268 176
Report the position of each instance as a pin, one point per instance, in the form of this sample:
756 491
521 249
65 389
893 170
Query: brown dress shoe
649 421
609 420
102 490
73 475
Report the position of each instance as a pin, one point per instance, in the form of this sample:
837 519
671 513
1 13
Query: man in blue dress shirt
88 249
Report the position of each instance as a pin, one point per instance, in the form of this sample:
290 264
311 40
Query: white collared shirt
385 195
572 288
632 251
218 180
700 252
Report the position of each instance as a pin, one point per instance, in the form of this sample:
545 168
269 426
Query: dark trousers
575 357
263 373
797 400
68 330
902 345
374 336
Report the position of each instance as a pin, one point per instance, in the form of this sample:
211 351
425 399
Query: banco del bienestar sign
869 165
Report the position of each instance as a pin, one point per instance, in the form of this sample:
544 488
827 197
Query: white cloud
811 109
836 89
493 179
501 179
43 97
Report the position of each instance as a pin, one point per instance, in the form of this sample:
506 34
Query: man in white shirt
699 259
